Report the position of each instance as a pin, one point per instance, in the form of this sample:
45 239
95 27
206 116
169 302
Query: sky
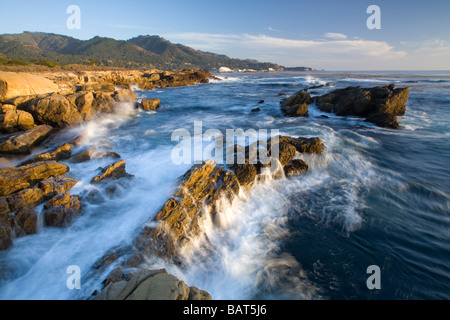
323 34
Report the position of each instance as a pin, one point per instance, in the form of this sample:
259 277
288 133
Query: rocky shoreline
65 100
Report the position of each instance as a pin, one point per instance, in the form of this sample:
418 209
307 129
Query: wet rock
260 101
380 105
295 167
82 156
150 104
26 221
151 285
39 193
21 143
256 109
125 95
16 120
14 179
286 152
61 210
112 172
246 174
297 104
62 152
304 145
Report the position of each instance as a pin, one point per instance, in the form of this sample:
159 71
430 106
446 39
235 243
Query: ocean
376 197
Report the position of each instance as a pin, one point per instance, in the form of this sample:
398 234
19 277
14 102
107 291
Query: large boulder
379 105
55 110
23 142
14 84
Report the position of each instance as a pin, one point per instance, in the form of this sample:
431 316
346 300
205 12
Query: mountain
139 52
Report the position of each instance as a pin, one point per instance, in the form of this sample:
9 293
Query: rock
60 153
297 104
82 156
246 174
179 218
16 120
14 179
21 143
260 101
60 210
95 86
14 84
151 285
380 105
304 145
150 104
256 109
295 167
26 221
125 95
112 172
39 193
286 152
103 103
5 237
7 107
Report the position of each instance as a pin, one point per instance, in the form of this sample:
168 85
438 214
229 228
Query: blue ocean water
376 197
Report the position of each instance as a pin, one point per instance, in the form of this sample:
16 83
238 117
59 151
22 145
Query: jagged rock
55 110
82 156
112 172
152 285
26 221
286 152
295 167
60 153
60 210
380 105
13 179
16 120
125 95
103 103
246 174
304 145
150 104
21 143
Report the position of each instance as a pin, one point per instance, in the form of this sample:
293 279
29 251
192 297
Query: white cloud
331 54
332 35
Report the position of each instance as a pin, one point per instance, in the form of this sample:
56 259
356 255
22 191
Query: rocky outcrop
125 95
379 105
152 285
14 84
23 142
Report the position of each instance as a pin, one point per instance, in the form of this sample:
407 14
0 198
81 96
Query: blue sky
324 34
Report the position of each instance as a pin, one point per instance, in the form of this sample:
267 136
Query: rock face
379 105
125 95
152 285
14 84
21 143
